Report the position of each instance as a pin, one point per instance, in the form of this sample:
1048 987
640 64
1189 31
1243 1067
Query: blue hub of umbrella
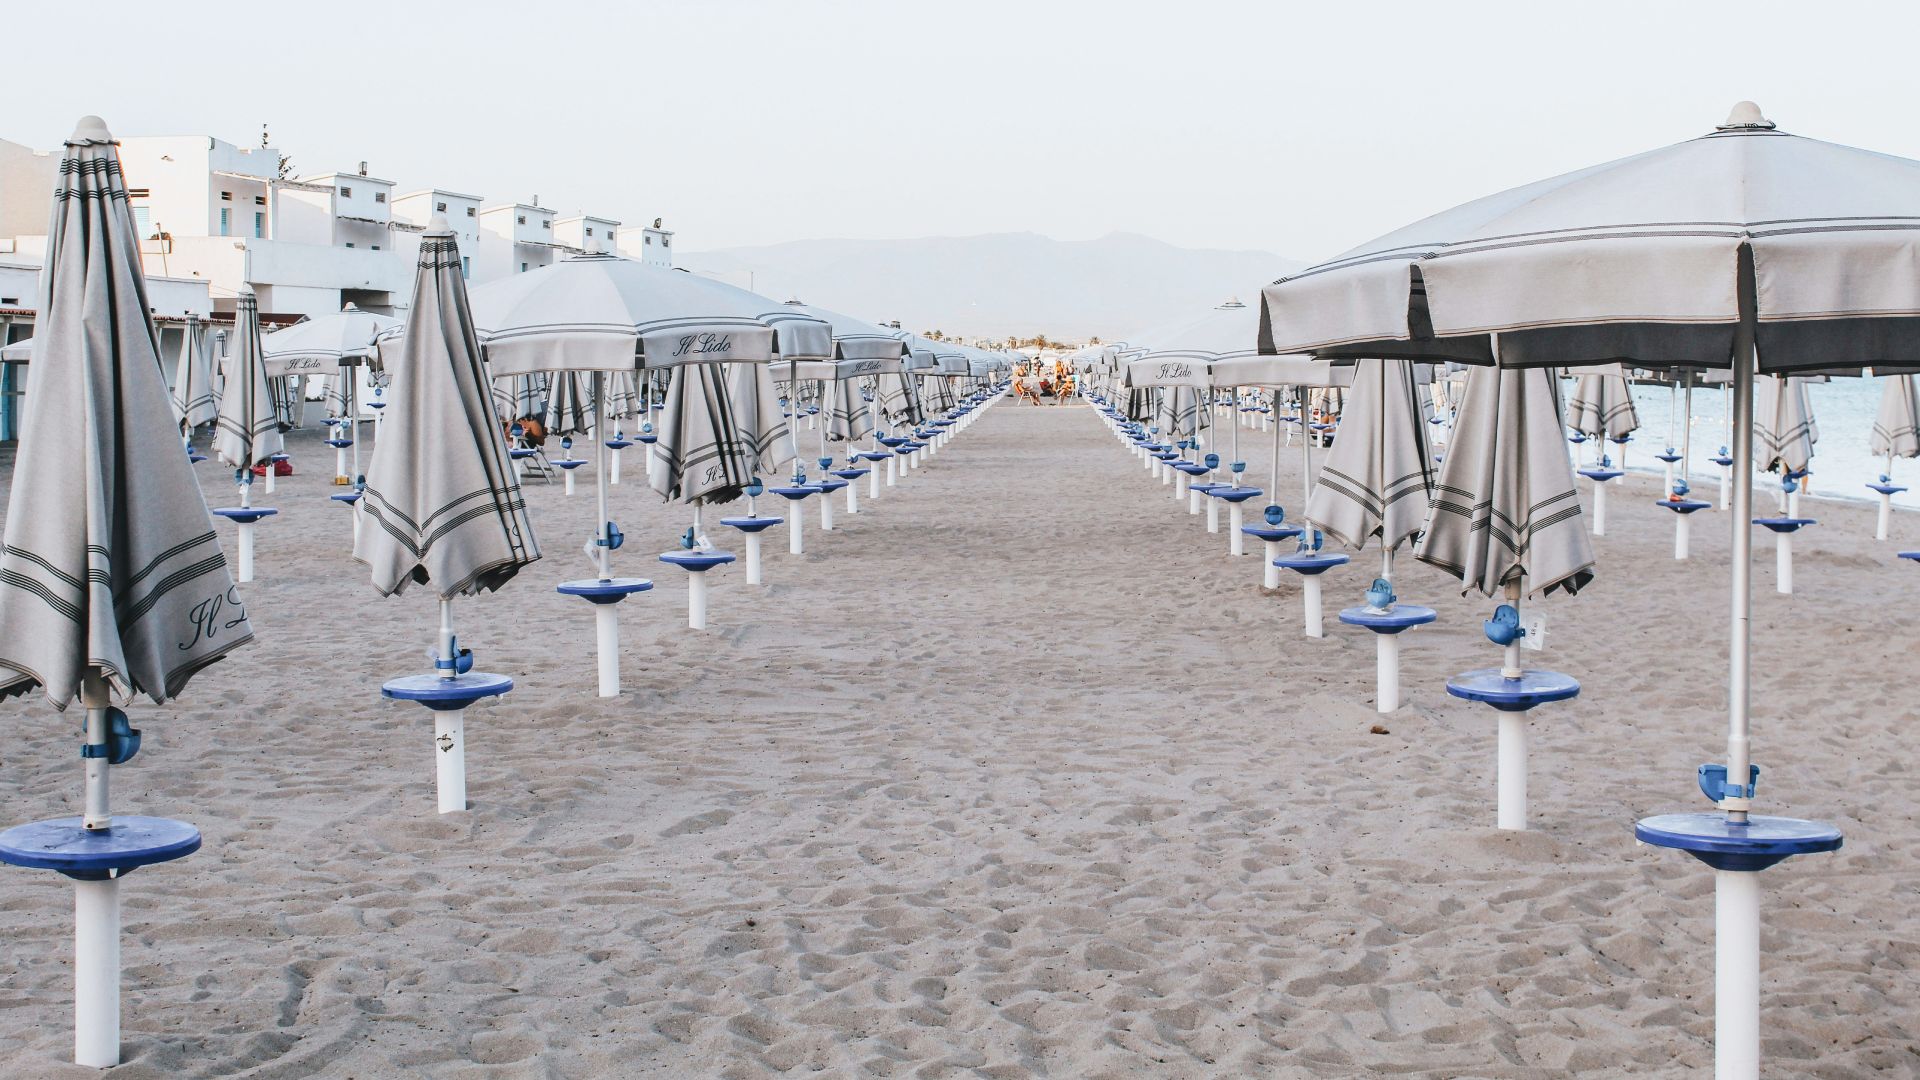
825 463
566 443
1681 487
686 539
1504 628
646 428
755 488
611 539
1275 514
123 741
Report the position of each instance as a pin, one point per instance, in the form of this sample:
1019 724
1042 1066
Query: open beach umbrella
334 347
193 400
1378 478
1747 248
247 430
1783 427
112 582
1505 508
1896 428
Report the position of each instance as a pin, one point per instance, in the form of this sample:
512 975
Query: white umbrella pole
1510 775
1740 648
1387 656
606 621
1886 504
1736 974
1599 508
449 736
96 911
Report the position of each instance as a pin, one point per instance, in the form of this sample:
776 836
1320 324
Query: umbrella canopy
193 399
1896 429
605 313
111 564
1657 259
1602 404
247 430
701 453
519 396
1378 478
1505 507
623 395
442 507
320 346
1783 427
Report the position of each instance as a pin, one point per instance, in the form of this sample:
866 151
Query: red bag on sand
280 468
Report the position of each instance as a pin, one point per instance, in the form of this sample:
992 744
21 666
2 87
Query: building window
466 267
546 223
143 222
523 268
666 241
376 247
259 226
439 208
469 211
523 219
259 200
226 196
649 240
349 243
136 193
589 230
225 223
379 196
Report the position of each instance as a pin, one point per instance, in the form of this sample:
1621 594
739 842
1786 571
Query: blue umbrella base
64 844
1532 688
441 694
1756 845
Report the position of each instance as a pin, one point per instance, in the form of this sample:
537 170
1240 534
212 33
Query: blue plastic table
244 515
1756 845
697 561
439 693
1532 688
1683 506
1311 562
1392 621
66 845
1784 524
753 524
603 590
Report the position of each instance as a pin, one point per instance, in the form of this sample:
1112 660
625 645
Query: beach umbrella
193 400
519 397
703 456
442 507
334 347
112 583
764 434
1378 478
247 429
1783 427
570 405
1601 404
1747 248
1896 427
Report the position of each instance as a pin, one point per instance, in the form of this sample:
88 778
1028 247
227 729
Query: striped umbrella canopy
111 572
765 435
1505 508
193 399
1378 478
517 397
319 346
1602 404
442 507
247 431
1783 427
569 405
1896 429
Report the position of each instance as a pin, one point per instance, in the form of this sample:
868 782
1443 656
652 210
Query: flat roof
439 191
317 177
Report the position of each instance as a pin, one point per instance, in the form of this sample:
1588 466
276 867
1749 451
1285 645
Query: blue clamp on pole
1380 595
1276 514
1212 462
1713 783
459 663
1504 628
123 740
613 538
1238 467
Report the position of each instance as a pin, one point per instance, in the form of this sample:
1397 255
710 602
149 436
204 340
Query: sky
1297 128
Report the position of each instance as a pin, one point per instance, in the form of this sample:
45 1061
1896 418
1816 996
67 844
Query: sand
1015 774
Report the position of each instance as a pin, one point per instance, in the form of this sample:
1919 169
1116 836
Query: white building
414 210
514 238
584 232
651 244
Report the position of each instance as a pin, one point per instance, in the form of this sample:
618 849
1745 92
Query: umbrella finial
1746 115
438 224
90 129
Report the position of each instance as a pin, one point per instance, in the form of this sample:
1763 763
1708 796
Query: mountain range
1000 285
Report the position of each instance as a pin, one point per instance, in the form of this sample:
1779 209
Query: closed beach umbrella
442 507
763 431
623 395
1505 508
1378 478
1896 429
1783 427
517 397
112 582
1602 404
193 400
247 431
702 455
569 405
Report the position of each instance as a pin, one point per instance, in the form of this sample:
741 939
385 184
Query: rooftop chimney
363 168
